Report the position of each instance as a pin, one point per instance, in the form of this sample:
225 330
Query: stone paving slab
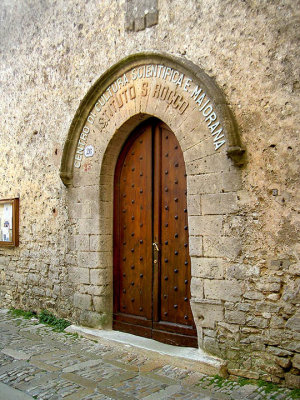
38 363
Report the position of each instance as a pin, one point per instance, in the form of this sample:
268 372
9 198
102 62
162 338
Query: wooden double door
151 251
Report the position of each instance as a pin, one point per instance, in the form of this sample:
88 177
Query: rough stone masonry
245 255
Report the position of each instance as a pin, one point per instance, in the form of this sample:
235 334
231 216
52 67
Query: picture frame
9 222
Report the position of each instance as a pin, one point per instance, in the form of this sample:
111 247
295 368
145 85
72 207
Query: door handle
155 246
155 261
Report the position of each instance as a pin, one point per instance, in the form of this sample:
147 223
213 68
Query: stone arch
198 76
189 102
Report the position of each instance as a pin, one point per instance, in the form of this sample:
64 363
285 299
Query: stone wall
52 53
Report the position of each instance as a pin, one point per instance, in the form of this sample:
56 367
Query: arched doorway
151 252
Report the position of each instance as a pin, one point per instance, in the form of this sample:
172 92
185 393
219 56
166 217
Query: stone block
197 287
235 317
221 246
296 361
139 23
284 363
79 275
88 259
82 242
205 225
106 192
253 295
213 163
100 276
214 183
292 381
277 351
195 245
106 226
212 268
279 264
94 320
102 304
293 323
106 259
242 271
105 208
222 290
273 296
91 193
194 204
257 322
86 178
277 322
207 314
268 287
219 203
266 306
245 373
151 19
83 301
89 226
211 345
232 328
101 243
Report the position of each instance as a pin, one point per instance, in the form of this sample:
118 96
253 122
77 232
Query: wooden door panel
175 261
133 211
151 295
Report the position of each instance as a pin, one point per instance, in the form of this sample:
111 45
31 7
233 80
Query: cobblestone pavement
43 364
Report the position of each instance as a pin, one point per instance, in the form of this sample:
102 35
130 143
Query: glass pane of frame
9 222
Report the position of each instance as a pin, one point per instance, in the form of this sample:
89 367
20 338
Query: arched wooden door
151 252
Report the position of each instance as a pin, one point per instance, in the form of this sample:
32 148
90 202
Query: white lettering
204 105
133 74
98 106
209 108
167 73
109 91
200 98
179 82
214 126
125 80
114 87
141 72
149 71
160 67
212 117
219 144
173 76
154 70
187 84
218 134
119 83
91 119
196 92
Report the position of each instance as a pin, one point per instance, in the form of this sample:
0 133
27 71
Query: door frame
89 187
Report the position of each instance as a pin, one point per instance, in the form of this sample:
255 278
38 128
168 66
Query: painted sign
157 83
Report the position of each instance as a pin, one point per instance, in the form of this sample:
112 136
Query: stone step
188 357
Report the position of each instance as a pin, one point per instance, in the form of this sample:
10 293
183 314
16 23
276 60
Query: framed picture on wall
9 222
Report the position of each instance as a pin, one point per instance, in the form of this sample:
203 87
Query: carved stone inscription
155 83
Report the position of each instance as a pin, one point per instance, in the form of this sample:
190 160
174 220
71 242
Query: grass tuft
58 324
45 317
21 313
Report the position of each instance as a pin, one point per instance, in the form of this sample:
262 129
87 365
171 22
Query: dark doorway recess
152 267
